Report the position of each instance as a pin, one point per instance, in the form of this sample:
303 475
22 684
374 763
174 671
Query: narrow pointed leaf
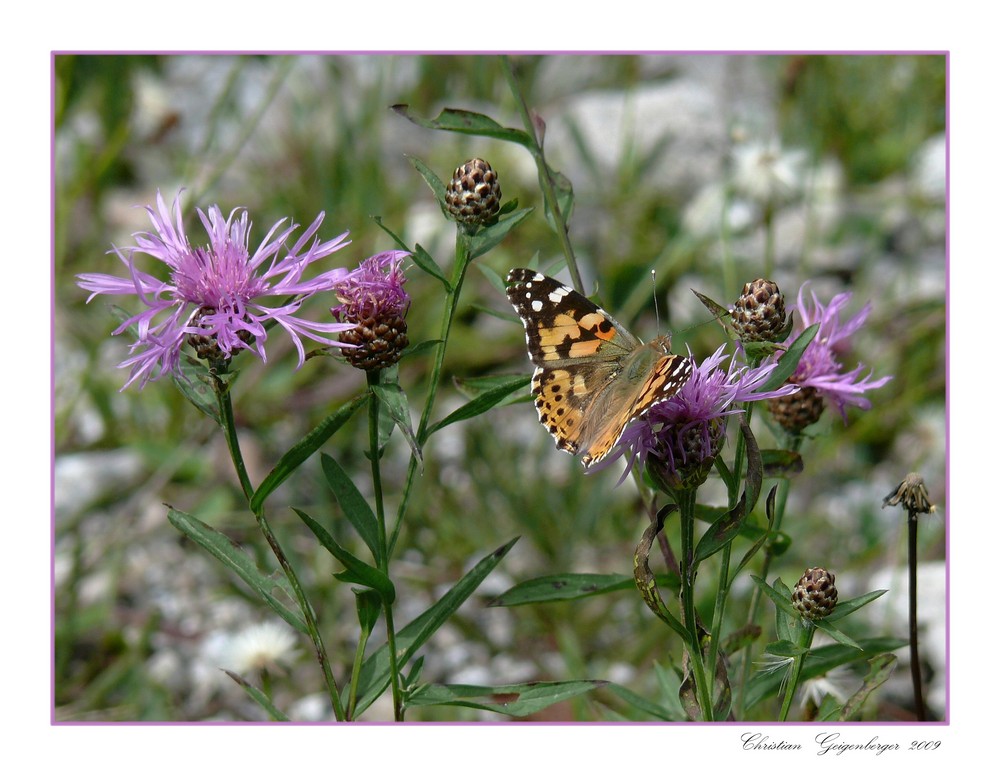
356 570
789 361
562 587
393 399
355 508
426 262
236 560
374 677
644 705
431 179
309 444
836 634
468 123
844 608
516 700
880 669
490 236
485 401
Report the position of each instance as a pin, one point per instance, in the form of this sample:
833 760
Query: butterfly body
592 377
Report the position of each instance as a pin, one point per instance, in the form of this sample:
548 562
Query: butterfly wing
592 377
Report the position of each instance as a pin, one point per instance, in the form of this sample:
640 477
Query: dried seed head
912 494
798 410
759 314
473 194
815 595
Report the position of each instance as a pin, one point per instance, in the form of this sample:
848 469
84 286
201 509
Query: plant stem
544 176
918 694
374 377
462 260
232 439
703 689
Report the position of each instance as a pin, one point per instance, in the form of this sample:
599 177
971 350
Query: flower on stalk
912 494
215 294
819 371
373 300
815 594
678 439
473 193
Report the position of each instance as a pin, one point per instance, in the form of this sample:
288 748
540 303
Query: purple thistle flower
373 301
678 439
820 367
216 292
374 289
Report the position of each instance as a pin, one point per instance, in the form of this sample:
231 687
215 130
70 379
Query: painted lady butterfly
592 378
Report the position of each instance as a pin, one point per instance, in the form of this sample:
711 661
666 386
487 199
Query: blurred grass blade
644 705
235 559
261 699
357 571
309 444
562 587
374 676
485 401
353 504
517 700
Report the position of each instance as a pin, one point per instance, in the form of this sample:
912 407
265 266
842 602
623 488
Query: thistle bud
798 410
759 314
815 595
473 194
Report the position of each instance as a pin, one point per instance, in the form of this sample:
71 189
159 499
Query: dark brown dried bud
473 194
759 314
380 342
798 410
815 595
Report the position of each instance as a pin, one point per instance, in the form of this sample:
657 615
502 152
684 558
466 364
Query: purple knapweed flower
373 300
819 369
678 439
217 292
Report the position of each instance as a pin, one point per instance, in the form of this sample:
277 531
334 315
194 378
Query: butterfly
592 377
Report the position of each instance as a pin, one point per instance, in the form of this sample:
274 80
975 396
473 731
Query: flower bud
473 194
759 314
815 595
798 410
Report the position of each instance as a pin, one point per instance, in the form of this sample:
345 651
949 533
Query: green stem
374 377
544 175
232 439
462 261
798 661
686 502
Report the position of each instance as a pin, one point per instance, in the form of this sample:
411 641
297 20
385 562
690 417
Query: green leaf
836 634
645 580
516 700
781 598
236 560
420 347
353 504
644 705
357 571
309 444
393 399
374 676
195 384
818 662
718 311
562 587
468 123
759 542
485 401
722 532
426 262
844 608
788 362
490 236
431 179
262 700
880 669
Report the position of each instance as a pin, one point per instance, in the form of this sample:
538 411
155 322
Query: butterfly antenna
656 306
